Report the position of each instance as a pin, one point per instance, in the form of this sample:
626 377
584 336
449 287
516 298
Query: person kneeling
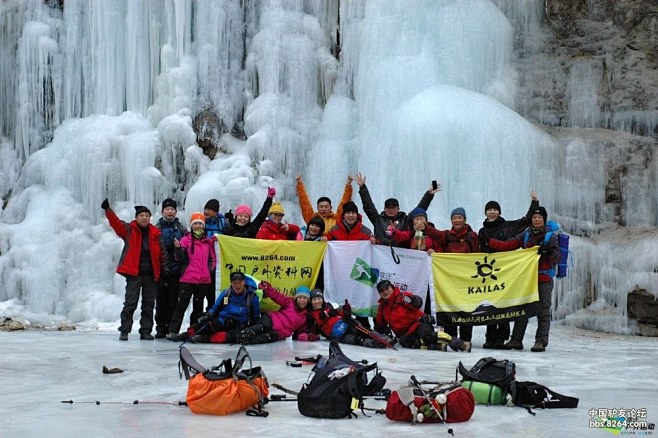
400 313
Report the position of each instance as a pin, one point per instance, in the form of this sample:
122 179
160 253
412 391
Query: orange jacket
308 212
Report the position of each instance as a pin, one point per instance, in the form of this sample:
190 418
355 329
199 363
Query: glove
386 331
407 299
390 230
312 337
543 250
303 337
428 319
271 191
229 216
205 318
347 309
105 204
264 285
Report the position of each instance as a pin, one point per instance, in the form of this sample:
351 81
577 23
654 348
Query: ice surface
39 369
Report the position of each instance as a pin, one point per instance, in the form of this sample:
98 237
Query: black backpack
534 395
495 372
337 386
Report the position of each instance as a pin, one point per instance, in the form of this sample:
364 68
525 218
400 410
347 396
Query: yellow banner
484 283
285 264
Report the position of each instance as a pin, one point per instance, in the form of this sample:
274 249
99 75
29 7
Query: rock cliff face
588 74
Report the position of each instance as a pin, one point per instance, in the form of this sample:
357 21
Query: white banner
353 269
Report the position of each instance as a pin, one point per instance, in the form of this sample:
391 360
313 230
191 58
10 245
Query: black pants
427 337
465 331
497 333
187 291
146 285
165 303
210 294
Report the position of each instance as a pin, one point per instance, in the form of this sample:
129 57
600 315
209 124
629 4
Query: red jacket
409 238
462 241
326 318
132 248
271 231
400 317
546 261
358 231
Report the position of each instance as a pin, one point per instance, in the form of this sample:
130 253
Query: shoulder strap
187 363
526 237
559 400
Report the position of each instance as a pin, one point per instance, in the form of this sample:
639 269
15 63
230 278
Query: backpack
337 386
534 395
408 402
226 388
563 243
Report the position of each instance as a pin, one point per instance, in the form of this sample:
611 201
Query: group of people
171 266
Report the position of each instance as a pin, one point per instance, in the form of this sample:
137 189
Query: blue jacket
243 308
215 225
171 230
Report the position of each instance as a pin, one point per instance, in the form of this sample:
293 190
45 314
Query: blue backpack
563 243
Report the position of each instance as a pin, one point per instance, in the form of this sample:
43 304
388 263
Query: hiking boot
513 344
538 347
199 339
146 337
467 346
487 345
371 343
173 336
160 335
123 336
498 345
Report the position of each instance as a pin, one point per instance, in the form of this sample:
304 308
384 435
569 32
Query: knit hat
383 285
197 217
169 203
315 293
303 291
391 202
492 204
417 212
317 220
213 204
243 209
237 275
459 211
350 207
540 210
276 208
141 209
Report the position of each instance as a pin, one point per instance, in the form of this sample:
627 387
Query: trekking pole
134 402
203 327
416 383
357 325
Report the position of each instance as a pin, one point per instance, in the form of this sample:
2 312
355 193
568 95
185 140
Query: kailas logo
486 269
364 273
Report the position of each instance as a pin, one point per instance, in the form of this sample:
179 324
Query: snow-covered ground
39 369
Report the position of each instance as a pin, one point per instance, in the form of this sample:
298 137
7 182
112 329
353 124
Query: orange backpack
226 388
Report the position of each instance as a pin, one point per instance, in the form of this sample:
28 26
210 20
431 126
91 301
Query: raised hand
360 179
271 191
105 205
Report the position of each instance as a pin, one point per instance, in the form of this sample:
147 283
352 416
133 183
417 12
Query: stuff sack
491 371
535 395
337 386
454 403
226 388
486 393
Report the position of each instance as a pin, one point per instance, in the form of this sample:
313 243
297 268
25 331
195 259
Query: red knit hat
197 217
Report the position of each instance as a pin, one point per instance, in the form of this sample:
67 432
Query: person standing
391 216
496 227
215 223
141 263
323 205
549 252
275 229
196 254
460 239
399 312
165 302
243 226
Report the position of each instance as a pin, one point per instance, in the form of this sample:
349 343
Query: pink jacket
197 264
289 318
